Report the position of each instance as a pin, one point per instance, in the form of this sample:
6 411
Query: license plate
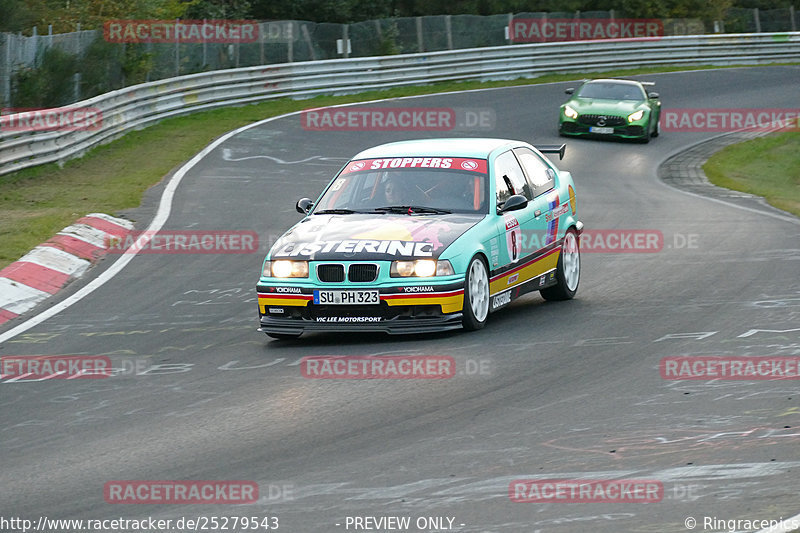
598 129
346 297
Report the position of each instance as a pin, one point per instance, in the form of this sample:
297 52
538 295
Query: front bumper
581 127
403 309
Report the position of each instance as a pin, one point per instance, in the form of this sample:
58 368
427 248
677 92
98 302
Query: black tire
476 295
657 130
568 278
284 336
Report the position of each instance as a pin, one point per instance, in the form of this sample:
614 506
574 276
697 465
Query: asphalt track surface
546 390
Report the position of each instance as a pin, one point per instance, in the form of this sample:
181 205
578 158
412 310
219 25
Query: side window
502 186
540 176
508 173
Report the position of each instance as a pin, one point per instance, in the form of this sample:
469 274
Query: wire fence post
5 42
792 17
290 38
448 26
177 49
420 43
757 18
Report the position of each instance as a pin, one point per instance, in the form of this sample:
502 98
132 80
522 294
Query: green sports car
425 235
611 108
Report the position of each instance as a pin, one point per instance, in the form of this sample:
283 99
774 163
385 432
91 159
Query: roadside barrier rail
142 105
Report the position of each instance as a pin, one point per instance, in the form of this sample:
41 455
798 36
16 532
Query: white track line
164 209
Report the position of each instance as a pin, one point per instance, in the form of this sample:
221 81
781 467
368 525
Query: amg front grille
362 272
601 120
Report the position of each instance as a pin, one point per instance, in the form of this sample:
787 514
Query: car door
517 225
540 178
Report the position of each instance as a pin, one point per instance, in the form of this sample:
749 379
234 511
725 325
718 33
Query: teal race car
611 108
425 235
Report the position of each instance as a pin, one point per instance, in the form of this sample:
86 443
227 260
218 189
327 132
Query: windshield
408 185
611 91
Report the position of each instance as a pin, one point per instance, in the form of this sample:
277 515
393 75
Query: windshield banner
454 163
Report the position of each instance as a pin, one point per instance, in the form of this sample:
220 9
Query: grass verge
38 202
768 166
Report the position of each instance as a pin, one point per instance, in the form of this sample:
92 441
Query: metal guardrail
139 106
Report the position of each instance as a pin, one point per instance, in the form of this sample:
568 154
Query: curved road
551 390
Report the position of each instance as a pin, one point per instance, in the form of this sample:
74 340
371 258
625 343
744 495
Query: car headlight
283 268
633 117
421 268
569 112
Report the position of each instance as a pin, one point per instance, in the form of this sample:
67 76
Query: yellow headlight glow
569 112
636 116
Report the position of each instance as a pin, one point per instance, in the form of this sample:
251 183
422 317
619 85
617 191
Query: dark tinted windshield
611 91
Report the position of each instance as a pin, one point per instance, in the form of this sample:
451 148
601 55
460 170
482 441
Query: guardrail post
420 44
757 18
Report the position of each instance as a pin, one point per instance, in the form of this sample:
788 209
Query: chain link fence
56 70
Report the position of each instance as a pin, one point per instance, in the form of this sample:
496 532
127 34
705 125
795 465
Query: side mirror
570 90
514 203
652 95
304 205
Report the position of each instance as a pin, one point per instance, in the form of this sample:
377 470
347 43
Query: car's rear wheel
476 295
568 270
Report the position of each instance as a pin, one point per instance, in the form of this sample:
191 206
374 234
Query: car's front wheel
476 295
657 129
568 270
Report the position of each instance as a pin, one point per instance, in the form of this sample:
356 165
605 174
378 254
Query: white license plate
346 297
598 129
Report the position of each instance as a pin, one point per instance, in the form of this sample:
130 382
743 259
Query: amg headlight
633 117
283 268
421 268
570 113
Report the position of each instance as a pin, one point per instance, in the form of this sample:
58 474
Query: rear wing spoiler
553 149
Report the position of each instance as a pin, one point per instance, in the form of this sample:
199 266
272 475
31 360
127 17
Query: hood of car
605 107
357 237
